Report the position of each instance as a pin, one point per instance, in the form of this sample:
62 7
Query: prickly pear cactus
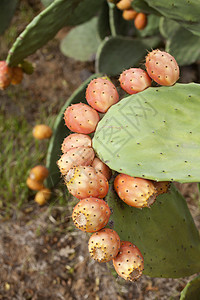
60 132
153 134
7 9
183 11
84 36
165 234
192 290
116 53
44 26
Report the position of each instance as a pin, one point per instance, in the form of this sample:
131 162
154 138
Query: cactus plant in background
150 137
7 9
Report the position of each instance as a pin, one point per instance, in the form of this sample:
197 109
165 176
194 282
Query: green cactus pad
165 233
142 6
168 27
191 290
184 11
46 2
7 9
103 21
184 53
44 26
115 54
81 42
154 134
61 131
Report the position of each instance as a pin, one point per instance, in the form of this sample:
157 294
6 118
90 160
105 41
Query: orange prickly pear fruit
83 182
134 80
140 21
124 4
91 214
6 74
42 196
42 132
76 140
81 156
39 173
34 184
162 67
101 167
104 245
17 75
134 191
81 118
129 14
129 262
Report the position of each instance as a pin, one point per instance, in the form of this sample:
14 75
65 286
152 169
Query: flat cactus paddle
154 134
165 233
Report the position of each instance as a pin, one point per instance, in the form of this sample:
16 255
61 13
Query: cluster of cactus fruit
86 176
140 18
9 75
39 173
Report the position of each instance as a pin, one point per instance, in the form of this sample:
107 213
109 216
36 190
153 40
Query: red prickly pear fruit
104 245
129 263
17 75
101 167
81 118
124 4
81 156
6 74
129 14
41 132
162 67
134 80
101 94
39 173
83 182
134 191
91 214
140 21
162 186
76 140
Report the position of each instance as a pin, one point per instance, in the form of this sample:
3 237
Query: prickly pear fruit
101 94
129 14
140 21
137 192
104 245
91 214
81 156
84 182
162 67
41 132
124 4
161 186
34 184
129 263
43 196
101 167
134 80
39 173
76 140
6 74
17 75
81 118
